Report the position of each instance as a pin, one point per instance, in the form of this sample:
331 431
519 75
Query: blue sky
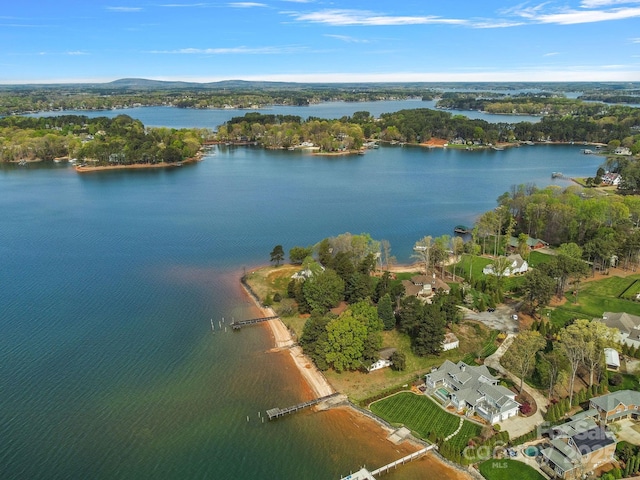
320 41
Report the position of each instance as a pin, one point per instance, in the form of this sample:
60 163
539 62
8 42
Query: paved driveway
628 431
500 319
518 425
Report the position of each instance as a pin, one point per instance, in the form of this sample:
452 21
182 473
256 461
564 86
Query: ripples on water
108 366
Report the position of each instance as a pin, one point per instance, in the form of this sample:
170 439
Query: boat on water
461 229
557 175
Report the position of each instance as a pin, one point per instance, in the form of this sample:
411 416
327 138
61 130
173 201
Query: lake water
212 118
109 282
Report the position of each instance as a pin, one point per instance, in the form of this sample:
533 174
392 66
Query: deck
273 413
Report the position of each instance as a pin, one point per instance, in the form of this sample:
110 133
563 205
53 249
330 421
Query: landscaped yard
423 416
597 297
507 469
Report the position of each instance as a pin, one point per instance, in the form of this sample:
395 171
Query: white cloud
540 14
339 17
77 53
551 54
635 40
605 3
347 38
495 24
246 4
231 51
184 5
576 16
124 9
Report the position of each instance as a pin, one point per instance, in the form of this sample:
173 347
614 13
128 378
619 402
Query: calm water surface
109 282
212 118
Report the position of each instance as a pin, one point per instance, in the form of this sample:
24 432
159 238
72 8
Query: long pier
273 413
365 474
244 323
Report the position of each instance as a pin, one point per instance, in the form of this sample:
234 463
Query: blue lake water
109 282
212 118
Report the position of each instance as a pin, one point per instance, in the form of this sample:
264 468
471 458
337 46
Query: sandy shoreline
320 386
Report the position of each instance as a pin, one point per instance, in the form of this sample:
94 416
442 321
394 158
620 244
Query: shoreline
320 386
137 166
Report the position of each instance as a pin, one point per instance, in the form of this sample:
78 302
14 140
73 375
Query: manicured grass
597 297
471 264
422 415
507 469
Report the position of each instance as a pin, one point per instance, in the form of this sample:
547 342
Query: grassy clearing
269 280
423 416
474 338
597 297
507 469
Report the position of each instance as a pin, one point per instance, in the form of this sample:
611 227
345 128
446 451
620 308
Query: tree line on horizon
586 122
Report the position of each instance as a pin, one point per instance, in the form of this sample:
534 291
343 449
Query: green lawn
598 297
629 382
422 415
507 469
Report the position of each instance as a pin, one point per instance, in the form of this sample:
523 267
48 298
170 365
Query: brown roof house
424 287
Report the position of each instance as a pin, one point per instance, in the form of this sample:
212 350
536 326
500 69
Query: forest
103 141
593 123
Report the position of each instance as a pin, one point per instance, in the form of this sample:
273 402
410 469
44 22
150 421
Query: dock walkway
364 474
280 412
243 323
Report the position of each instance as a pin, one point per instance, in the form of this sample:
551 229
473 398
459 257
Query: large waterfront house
424 287
516 266
472 390
578 447
627 325
616 405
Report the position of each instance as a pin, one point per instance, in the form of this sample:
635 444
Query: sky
321 41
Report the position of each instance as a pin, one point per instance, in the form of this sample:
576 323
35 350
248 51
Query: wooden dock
245 323
273 413
364 474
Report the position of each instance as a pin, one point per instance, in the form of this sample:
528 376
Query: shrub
615 380
525 408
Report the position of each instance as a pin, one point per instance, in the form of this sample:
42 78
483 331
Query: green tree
520 358
385 312
538 289
398 360
298 254
277 255
323 291
346 337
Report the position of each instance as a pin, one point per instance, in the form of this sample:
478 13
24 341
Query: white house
474 390
450 342
627 325
612 358
384 359
611 179
516 266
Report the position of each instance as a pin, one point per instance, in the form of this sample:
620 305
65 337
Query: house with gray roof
472 390
578 447
516 266
628 325
616 405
